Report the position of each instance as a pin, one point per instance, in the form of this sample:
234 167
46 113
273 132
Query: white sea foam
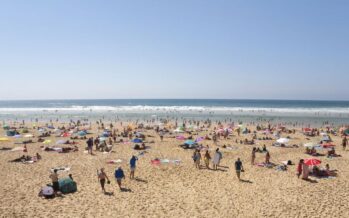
180 109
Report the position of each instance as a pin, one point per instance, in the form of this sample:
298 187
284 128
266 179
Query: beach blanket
157 162
270 165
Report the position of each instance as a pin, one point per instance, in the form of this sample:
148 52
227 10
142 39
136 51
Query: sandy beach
170 189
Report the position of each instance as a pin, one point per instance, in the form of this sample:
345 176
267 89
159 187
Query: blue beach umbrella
136 140
189 142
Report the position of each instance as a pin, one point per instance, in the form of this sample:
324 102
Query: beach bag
67 186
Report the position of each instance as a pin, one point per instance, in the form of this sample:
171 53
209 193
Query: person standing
207 159
238 168
102 176
253 157
267 158
217 159
119 175
133 161
54 179
197 158
300 168
305 171
89 145
344 143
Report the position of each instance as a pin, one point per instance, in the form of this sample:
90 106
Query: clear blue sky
262 49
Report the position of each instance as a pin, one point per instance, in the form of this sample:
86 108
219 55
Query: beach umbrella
82 133
189 142
199 139
136 140
180 137
282 140
312 162
328 145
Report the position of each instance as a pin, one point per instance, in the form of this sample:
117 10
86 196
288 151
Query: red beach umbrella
328 145
312 162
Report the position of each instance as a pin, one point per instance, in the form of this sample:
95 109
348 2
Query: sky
226 49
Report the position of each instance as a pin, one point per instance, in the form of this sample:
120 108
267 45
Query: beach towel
63 169
114 161
18 149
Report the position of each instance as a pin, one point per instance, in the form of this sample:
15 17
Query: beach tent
346 132
67 185
106 134
25 131
326 138
10 133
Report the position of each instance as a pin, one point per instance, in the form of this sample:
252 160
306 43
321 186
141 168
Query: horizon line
248 99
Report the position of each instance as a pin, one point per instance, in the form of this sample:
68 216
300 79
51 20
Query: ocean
243 110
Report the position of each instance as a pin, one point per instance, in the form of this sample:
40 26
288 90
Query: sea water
314 112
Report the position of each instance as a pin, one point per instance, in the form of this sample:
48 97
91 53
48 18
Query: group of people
118 174
217 157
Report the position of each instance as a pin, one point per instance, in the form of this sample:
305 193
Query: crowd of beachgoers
123 158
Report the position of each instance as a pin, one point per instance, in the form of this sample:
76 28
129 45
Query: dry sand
174 190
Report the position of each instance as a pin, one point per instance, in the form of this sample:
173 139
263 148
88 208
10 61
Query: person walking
119 175
102 176
133 161
238 168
